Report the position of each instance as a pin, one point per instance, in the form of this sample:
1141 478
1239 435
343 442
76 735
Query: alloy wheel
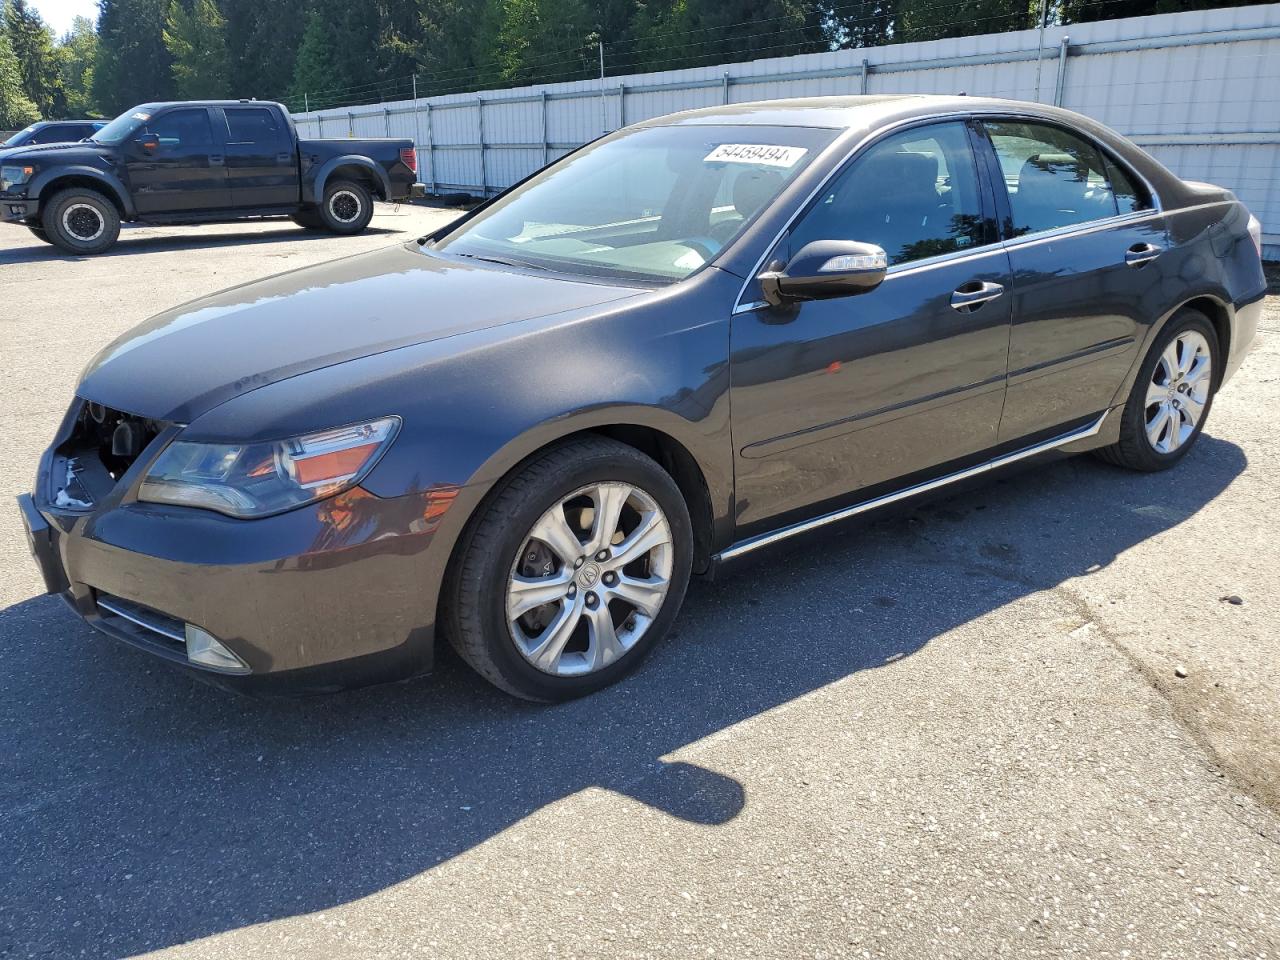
83 222
345 206
1178 391
590 578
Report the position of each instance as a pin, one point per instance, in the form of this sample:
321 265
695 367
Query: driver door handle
970 296
1141 253
216 160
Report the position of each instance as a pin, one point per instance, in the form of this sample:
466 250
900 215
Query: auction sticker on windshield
759 153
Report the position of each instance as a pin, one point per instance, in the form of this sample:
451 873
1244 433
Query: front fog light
204 650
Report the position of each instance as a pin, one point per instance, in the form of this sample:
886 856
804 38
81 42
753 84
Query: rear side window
1129 195
54 134
1055 178
251 125
915 194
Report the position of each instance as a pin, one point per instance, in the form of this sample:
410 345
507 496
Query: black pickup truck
208 161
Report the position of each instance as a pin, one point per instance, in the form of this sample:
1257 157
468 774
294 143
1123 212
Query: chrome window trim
853 151
782 533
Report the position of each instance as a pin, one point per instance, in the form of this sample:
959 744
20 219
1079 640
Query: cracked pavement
1018 721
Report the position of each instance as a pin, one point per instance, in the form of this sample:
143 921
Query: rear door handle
217 161
970 296
284 157
1141 253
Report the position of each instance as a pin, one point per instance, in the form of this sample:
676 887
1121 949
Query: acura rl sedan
686 341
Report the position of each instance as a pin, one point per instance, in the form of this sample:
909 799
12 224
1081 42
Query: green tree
263 40
32 43
688 33
197 42
133 64
962 18
76 53
865 23
16 108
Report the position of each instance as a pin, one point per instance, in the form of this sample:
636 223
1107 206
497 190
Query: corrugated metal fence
1200 90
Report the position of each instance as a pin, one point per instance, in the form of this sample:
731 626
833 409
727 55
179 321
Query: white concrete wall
1200 90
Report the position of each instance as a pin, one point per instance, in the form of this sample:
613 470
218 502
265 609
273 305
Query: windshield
120 129
20 136
655 203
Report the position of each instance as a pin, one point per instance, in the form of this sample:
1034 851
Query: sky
59 13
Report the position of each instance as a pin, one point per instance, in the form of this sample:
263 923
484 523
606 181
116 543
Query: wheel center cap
589 575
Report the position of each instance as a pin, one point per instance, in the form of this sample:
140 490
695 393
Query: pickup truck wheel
38 231
80 221
347 207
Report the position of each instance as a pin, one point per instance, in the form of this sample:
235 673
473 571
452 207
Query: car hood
63 152
187 360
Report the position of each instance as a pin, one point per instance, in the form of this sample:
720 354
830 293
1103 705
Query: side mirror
825 269
149 142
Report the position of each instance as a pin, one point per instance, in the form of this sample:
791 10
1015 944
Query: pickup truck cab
199 162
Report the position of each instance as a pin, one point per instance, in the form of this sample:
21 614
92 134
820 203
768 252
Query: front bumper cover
322 598
18 209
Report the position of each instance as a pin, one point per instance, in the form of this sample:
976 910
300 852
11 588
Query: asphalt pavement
1036 719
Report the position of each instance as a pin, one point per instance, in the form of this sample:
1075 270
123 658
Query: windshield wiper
503 261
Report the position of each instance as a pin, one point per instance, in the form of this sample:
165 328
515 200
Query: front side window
654 203
187 129
1057 179
914 194
251 125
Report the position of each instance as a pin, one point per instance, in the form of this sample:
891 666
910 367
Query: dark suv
54 131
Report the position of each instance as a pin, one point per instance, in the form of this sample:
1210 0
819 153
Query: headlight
258 479
11 176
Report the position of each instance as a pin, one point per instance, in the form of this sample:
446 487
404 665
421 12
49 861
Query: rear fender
314 192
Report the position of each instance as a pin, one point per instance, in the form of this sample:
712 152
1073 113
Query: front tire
575 568
37 231
347 207
80 221
1170 400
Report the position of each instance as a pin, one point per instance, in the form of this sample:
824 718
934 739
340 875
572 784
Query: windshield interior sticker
758 153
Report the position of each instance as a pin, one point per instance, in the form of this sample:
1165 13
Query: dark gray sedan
688 340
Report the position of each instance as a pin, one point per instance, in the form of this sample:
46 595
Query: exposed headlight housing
260 479
12 175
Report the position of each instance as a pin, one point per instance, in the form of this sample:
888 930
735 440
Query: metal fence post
546 144
622 105
351 124
386 120
866 68
1060 86
319 126
431 149
725 86
484 172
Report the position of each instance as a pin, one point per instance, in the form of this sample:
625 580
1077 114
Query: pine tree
197 42
133 64
76 52
263 40
32 43
313 80
16 108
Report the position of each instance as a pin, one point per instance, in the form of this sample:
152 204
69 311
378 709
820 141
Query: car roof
50 123
164 105
861 112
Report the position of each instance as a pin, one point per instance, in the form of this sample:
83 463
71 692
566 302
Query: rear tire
592 606
308 219
80 221
347 207
1171 397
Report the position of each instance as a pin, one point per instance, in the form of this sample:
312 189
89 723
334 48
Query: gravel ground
963 730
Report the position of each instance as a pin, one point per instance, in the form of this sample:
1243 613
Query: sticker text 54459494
768 154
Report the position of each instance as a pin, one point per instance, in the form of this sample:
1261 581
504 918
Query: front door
1085 250
834 399
262 164
175 174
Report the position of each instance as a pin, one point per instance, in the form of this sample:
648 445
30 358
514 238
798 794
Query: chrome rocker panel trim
782 533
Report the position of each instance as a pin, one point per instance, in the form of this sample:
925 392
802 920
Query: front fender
315 191
45 183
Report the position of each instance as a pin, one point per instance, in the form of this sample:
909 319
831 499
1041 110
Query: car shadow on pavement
143 809
36 252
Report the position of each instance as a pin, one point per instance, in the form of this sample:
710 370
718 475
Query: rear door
1084 244
262 165
177 174
834 398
